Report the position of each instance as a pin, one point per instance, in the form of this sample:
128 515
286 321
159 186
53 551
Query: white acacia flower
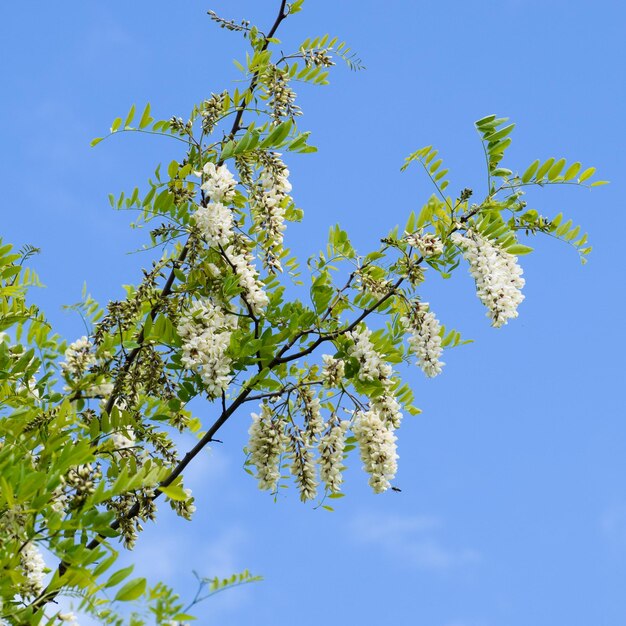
253 291
377 444
388 409
424 339
218 182
266 445
206 330
78 357
333 371
33 567
331 447
215 222
497 274
427 244
372 365
303 470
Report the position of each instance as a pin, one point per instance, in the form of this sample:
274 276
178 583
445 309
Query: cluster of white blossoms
253 291
33 567
377 445
78 358
303 470
424 338
333 370
123 439
218 182
374 428
267 443
497 274
311 410
372 365
215 222
331 447
274 188
205 330
427 244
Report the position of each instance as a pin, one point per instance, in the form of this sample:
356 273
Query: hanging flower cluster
33 567
427 244
215 222
78 358
497 274
372 365
218 182
331 448
377 445
270 201
424 338
253 292
205 331
267 443
333 371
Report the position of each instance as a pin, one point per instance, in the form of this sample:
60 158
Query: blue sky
513 502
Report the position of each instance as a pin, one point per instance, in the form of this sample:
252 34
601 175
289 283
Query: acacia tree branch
48 596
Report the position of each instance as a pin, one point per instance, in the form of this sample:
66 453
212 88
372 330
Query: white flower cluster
427 244
303 470
78 357
33 567
266 445
372 365
497 274
123 439
388 408
205 331
331 447
274 188
377 444
253 291
215 222
424 339
333 370
218 182
311 411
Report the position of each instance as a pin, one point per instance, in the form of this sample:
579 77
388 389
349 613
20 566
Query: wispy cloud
411 539
613 525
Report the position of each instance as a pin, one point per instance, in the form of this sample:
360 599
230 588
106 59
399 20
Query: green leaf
518 249
555 170
117 122
530 172
131 591
588 173
119 576
130 117
145 117
96 141
174 492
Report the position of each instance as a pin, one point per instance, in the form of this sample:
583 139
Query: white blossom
333 371
303 470
253 291
388 409
33 567
377 444
424 339
78 358
497 274
123 439
215 222
206 331
218 182
427 244
69 617
331 447
372 365
266 445
311 411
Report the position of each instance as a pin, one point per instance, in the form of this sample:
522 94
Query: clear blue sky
513 503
